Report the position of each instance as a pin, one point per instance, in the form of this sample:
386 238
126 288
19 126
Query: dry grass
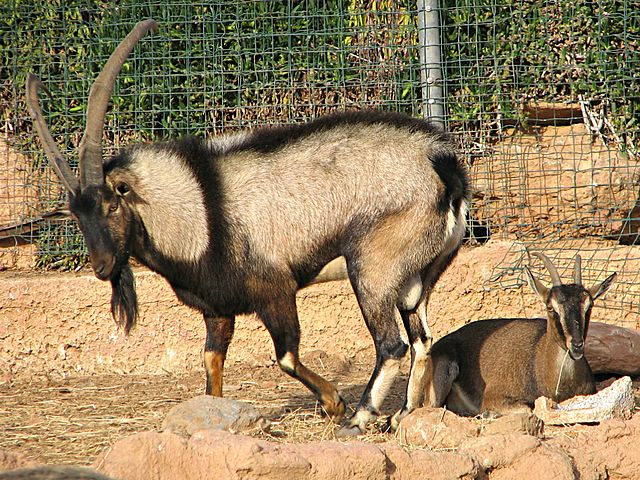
71 421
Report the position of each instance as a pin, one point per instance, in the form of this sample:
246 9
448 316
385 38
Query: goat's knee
287 363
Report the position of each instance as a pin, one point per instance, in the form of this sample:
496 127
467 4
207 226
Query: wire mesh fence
543 98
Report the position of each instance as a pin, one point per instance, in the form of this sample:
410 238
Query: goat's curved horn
58 161
555 278
577 271
90 151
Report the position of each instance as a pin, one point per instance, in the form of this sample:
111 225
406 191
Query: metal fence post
430 61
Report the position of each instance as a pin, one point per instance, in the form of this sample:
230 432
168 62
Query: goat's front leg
280 317
219 334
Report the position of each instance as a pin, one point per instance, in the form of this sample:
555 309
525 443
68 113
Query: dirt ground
64 403
71 421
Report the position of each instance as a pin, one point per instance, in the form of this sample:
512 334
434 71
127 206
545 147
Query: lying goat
238 224
505 364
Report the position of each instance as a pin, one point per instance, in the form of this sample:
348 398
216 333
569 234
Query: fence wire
543 98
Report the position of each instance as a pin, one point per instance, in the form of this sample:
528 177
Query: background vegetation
219 65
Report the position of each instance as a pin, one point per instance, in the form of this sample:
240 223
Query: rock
499 450
341 460
613 349
53 473
543 463
410 464
220 454
615 401
515 423
435 428
515 455
609 450
207 412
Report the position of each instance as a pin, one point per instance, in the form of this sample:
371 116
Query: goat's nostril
577 347
100 269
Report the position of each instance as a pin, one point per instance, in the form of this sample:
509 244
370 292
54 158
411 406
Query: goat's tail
456 199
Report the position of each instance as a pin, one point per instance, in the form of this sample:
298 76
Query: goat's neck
558 368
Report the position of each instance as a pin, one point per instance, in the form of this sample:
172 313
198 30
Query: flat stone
206 412
615 401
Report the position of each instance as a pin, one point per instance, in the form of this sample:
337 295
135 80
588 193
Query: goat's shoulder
164 158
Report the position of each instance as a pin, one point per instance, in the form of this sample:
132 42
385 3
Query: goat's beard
124 301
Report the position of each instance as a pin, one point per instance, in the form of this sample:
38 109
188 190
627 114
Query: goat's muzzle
103 267
576 349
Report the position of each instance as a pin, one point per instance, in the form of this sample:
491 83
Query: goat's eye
122 189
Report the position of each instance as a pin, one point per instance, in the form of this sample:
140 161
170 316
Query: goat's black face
569 308
105 222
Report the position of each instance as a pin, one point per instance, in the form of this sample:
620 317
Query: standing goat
238 224
505 364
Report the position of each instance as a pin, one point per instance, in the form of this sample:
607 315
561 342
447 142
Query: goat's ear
536 285
601 288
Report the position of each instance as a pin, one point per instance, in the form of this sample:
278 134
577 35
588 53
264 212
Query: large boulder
220 454
613 349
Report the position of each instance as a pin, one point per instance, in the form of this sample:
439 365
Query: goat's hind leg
219 334
420 338
415 323
390 349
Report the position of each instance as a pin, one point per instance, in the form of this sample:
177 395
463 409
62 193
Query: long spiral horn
90 150
57 159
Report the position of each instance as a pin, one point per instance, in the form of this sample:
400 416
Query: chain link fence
543 98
